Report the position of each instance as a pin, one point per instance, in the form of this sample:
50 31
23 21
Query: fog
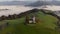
13 10
10 10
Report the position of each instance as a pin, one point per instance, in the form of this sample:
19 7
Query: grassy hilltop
46 25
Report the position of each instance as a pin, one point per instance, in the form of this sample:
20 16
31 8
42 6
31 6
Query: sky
27 0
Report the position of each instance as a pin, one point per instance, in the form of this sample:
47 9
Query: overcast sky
26 0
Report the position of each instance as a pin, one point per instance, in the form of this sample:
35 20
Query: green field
46 25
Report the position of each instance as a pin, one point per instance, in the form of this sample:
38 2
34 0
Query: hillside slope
46 25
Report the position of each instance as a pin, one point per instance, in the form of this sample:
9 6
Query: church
30 19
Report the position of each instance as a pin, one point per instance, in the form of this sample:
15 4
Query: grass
46 25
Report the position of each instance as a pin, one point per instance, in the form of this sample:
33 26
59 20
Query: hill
41 3
46 25
15 3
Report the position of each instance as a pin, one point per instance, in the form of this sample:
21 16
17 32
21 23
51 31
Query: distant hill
56 2
40 3
30 3
15 3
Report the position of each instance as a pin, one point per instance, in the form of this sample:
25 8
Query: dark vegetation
51 13
14 16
